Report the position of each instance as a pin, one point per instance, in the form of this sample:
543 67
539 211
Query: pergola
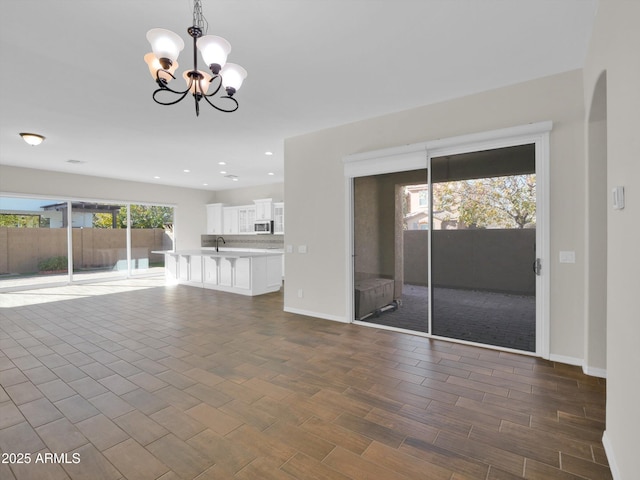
85 207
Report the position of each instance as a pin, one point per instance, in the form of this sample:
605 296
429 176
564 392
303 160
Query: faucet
219 238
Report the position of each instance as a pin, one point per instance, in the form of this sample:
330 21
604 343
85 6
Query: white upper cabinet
278 217
264 209
230 220
214 218
246 217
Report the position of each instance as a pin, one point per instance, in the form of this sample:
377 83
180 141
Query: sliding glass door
99 241
33 242
151 231
40 238
450 251
390 249
483 247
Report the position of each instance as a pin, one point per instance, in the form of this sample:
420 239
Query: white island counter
243 272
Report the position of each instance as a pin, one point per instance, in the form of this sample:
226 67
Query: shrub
53 264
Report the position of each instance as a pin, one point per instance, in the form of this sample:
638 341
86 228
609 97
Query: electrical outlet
567 257
300 293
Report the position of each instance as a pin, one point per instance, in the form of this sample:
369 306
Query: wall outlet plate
617 194
567 257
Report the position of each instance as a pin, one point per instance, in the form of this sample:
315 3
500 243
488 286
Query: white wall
81 219
246 195
615 47
315 189
190 213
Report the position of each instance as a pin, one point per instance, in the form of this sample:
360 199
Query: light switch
617 195
567 257
289 249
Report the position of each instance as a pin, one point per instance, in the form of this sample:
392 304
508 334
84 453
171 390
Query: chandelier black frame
162 67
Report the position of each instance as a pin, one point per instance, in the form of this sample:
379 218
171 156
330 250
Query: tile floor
135 380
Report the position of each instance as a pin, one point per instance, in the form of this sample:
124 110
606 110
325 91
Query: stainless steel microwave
263 226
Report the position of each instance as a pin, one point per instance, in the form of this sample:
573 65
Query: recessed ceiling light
235 179
186 170
268 153
222 163
156 177
205 184
222 172
271 173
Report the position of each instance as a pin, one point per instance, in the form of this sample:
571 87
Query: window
38 240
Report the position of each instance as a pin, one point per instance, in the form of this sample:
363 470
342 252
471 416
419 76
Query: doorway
384 211
483 211
470 263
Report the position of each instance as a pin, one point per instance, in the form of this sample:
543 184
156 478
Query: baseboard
594 372
309 313
578 362
608 449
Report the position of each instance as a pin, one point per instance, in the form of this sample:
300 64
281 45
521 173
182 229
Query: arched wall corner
595 331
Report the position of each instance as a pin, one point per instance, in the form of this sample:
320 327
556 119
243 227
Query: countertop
210 252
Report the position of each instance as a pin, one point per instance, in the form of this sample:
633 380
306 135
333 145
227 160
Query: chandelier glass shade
162 61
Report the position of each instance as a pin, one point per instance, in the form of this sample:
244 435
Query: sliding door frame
418 156
70 280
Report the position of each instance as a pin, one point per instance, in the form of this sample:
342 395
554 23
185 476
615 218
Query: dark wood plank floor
179 382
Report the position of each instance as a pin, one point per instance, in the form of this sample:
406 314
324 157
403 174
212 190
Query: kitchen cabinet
278 217
214 218
246 217
264 209
230 220
243 272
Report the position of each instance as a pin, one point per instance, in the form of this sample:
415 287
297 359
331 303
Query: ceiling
74 72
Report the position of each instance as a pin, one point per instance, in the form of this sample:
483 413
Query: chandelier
162 63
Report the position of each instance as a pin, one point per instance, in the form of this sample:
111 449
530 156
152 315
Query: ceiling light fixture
32 139
162 63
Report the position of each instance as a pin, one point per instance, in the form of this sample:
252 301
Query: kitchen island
236 271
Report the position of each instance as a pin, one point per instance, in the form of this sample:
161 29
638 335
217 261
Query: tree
102 220
498 202
143 216
19 221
